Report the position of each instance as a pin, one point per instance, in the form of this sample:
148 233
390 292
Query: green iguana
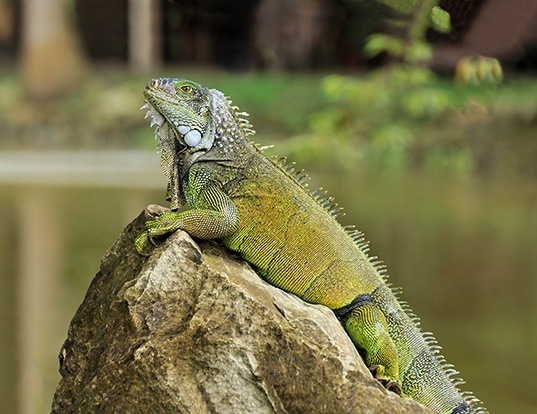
261 209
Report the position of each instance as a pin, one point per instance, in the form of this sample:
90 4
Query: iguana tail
399 353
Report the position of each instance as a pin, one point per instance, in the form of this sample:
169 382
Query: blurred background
419 117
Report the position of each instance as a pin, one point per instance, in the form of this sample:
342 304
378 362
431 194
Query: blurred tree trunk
7 21
51 61
144 50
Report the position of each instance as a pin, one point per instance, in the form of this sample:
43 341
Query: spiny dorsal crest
242 118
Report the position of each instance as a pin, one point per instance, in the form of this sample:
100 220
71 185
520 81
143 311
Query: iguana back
262 210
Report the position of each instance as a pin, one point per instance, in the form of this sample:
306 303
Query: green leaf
379 43
418 52
440 20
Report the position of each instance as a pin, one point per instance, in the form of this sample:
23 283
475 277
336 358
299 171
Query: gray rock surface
192 329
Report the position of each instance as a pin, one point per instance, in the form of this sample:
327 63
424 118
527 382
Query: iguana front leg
213 216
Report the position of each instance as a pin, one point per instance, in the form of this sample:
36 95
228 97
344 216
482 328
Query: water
464 252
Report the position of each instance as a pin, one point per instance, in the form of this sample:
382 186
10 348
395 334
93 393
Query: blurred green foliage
404 39
104 111
395 118
405 116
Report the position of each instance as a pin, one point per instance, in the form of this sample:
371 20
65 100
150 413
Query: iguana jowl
262 210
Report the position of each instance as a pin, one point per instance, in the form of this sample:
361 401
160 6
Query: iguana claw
391 385
166 222
141 242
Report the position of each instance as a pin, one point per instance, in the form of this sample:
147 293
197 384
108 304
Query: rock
192 329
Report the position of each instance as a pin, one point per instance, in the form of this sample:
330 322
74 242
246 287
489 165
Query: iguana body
263 211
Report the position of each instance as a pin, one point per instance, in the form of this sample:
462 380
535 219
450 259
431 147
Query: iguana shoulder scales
261 208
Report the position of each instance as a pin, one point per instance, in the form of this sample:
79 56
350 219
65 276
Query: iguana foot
167 222
157 225
391 385
142 241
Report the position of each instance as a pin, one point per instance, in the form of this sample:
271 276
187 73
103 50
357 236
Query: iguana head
180 103
201 118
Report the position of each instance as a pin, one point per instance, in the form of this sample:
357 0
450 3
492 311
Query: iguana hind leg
368 329
378 373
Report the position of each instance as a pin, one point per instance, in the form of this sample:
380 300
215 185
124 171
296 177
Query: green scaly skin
259 208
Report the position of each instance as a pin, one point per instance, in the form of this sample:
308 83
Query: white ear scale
183 129
192 137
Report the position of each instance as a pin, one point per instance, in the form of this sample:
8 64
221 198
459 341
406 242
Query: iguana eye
186 89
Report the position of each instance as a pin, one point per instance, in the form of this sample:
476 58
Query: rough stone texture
192 329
